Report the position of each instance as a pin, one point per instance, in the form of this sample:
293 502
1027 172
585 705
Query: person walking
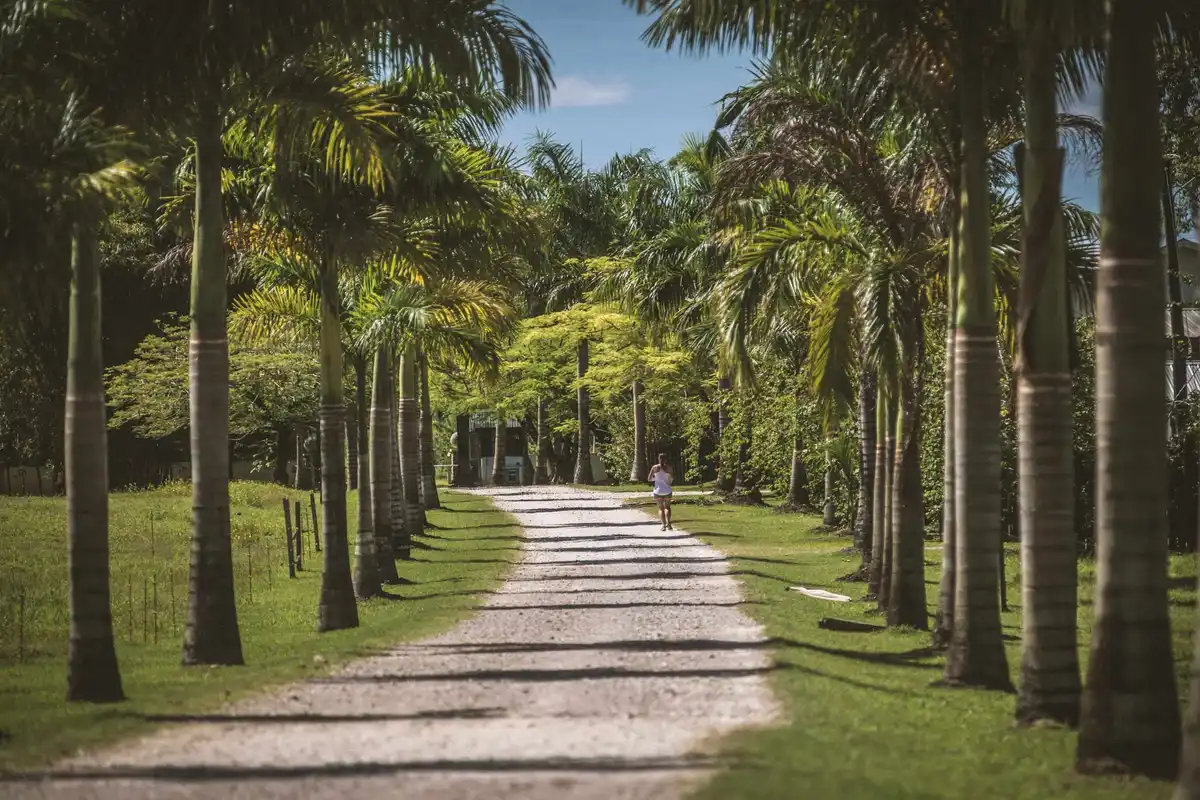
660 477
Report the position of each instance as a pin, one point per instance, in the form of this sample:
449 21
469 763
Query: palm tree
368 581
429 492
84 164
382 437
409 433
213 62
1049 686
66 164
1130 712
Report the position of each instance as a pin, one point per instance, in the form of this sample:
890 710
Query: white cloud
576 91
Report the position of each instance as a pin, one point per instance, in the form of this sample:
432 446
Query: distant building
1189 285
517 467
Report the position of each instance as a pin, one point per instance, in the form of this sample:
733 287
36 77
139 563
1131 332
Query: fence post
145 608
299 536
312 505
154 585
21 630
171 588
287 521
249 574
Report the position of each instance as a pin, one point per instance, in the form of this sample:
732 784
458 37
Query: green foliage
270 387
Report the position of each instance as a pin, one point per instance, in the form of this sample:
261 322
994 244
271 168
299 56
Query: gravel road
602 668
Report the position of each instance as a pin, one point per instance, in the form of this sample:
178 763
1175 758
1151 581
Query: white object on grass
820 594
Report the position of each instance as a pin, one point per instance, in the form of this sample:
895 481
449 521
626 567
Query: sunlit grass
862 719
277 615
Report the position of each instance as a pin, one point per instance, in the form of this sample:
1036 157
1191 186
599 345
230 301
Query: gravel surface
600 669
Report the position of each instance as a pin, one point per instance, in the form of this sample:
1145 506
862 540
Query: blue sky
616 94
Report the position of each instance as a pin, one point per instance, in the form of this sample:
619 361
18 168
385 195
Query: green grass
277 616
861 718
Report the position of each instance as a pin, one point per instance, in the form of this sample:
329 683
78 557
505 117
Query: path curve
600 669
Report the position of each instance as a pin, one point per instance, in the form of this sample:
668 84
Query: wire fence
149 556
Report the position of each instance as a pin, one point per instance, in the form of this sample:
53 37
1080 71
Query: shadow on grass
513 537
208 773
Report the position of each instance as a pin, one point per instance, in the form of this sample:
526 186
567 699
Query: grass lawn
277 615
861 717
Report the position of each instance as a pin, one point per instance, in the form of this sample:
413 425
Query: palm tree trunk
464 473
976 656
725 476
367 577
1049 685
212 635
637 474
863 520
879 501
798 485
354 443
500 451
429 492
583 457
410 447
92 672
744 478
402 537
1130 712
545 454
906 598
943 622
337 608
889 505
829 510
380 463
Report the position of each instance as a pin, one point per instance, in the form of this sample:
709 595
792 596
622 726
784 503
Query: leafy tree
271 386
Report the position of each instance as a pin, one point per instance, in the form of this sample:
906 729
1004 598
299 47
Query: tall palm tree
381 438
66 164
64 158
408 424
1049 686
429 492
1130 712
367 578
210 63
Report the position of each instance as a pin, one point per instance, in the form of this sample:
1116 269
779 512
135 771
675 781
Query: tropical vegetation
861 292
